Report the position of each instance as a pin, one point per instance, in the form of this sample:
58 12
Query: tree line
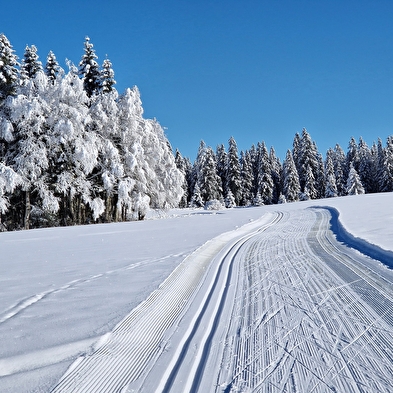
74 151
257 177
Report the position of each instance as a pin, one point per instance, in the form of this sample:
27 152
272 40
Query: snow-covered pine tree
379 165
276 169
222 169
233 171
291 185
386 181
308 157
246 176
107 77
181 166
366 166
352 157
330 177
52 68
310 190
196 199
230 200
265 181
339 163
30 64
354 184
296 151
89 70
208 180
9 74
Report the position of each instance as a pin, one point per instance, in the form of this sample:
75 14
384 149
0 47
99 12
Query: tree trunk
26 222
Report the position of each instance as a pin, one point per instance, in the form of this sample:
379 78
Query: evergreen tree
180 164
308 159
386 182
380 165
208 180
339 163
196 199
8 69
276 171
331 187
30 64
310 190
107 77
233 171
291 185
230 200
222 167
52 68
265 181
246 176
354 184
89 70
352 156
365 166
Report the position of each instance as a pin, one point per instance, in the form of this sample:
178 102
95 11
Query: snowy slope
63 290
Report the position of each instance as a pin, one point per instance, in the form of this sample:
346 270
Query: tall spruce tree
291 185
30 64
52 67
89 70
107 77
330 177
233 171
265 181
9 74
354 184
246 176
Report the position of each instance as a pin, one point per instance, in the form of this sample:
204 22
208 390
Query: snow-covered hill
64 290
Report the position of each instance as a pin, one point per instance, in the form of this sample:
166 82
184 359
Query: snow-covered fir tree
386 180
339 163
276 172
207 178
221 165
246 175
9 73
52 67
354 184
265 181
180 165
330 177
107 77
89 69
233 171
30 64
307 160
291 185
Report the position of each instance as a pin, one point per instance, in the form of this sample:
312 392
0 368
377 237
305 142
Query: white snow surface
71 297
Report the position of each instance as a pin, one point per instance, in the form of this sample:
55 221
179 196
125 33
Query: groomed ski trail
126 354
276 306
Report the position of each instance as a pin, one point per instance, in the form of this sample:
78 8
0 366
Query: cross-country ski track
278 305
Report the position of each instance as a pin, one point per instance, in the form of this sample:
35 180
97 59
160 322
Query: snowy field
263 299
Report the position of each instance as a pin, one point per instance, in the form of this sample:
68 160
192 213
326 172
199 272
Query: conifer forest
75 151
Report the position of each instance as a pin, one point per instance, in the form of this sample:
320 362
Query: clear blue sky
254 70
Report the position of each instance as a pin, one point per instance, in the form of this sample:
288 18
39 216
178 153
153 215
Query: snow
75 291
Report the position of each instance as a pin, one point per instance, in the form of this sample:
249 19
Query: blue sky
254 70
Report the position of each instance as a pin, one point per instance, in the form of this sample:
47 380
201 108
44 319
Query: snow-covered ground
155 305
